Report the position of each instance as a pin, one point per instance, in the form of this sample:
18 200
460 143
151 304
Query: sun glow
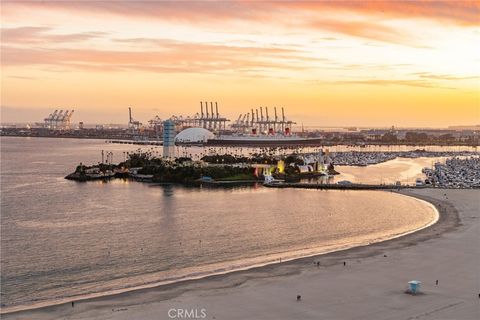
328 63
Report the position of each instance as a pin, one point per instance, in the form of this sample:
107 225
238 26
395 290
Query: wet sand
370 286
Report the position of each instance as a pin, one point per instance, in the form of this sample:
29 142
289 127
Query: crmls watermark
181 313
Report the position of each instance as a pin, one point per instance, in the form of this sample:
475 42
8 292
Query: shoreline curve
447 219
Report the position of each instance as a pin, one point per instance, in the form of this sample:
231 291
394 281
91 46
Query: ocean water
405 170
63 240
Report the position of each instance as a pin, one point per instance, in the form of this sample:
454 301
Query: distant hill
476 127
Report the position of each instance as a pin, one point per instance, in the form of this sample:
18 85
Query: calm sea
63 240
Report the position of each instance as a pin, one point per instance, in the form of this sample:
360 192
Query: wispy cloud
36 35
362 29
22 77
446 77
459 12
168 56
393 82
365 19
463 12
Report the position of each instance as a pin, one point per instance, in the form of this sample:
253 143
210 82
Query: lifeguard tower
414 286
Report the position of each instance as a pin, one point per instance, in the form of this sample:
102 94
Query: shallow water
62 239
404 170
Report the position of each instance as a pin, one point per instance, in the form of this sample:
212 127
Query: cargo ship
263 140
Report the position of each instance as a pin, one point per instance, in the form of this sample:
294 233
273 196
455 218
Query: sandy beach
370 285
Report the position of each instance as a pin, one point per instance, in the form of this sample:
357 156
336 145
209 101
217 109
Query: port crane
58 120
132 123
210 121
262 124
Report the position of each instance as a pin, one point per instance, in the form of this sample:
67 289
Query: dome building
194 135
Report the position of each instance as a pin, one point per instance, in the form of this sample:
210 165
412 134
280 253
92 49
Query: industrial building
194 135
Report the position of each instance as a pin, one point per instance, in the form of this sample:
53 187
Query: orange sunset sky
361 63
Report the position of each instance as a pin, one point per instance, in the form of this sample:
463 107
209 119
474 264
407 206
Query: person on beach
299 297
344 263
73 303
436 283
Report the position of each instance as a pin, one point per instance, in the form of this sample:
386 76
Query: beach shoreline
448 220
271 262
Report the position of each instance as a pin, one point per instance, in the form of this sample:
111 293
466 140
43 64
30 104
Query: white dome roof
194 135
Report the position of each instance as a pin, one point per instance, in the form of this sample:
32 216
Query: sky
328 63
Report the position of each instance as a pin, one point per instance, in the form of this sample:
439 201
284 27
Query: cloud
168 56
365 19
456 12
194 11
36 35
388 82
22 77
446 77
363 29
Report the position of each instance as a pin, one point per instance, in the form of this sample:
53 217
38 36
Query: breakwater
352 186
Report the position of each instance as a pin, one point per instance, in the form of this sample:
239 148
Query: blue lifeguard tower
414 286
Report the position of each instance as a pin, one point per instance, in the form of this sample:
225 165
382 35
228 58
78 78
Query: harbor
240 160
117 191
217 165
281 168
256 128
156 206
355 158
455 173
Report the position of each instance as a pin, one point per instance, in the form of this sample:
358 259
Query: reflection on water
60 238
405 170
167 190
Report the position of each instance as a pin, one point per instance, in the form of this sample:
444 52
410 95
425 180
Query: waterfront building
169 139
194 135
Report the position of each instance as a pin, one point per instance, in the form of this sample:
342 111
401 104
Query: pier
138 142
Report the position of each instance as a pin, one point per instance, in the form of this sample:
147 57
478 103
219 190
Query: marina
455 173
271 165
